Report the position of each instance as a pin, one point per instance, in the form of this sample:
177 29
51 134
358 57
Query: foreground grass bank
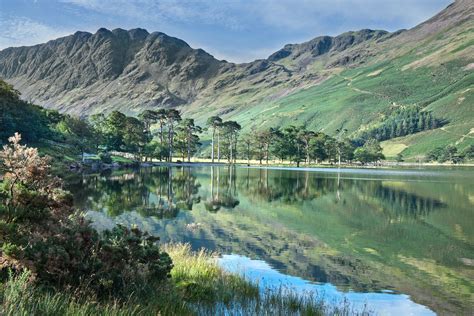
198 286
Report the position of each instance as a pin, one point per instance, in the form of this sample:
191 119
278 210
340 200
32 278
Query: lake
395 242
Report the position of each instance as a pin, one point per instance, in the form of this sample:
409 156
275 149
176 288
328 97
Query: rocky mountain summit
135 69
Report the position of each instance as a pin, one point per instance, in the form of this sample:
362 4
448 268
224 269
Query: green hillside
435 74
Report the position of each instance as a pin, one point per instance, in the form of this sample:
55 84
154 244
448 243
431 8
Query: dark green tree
187 134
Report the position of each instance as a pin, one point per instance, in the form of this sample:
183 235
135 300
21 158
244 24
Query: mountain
356 80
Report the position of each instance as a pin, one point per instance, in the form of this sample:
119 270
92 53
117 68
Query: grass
121 159
198 286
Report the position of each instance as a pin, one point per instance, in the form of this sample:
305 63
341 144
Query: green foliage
105 158
19 116
230 132
187 138
296 144
404 121
399 157
468 152
198 286
448 153
370 152
40 232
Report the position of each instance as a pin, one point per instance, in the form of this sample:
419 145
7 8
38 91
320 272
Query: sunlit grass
198 286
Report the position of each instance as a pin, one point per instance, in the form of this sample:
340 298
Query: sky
235 30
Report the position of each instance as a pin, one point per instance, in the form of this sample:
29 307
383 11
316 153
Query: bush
105 158
468 152
42 233
370 152
448 153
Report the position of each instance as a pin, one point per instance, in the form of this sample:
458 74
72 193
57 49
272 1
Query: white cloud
318 14
19 31
282 14
210 12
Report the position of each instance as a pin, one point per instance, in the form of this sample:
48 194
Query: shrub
105 158
448 153
370 152
41 232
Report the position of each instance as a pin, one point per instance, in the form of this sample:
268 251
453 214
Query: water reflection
163 192
160 192
383 303
409 233
223 189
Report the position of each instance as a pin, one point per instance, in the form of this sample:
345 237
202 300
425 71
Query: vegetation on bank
52 261
198 286
164 134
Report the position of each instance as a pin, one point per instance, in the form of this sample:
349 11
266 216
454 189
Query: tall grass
198 286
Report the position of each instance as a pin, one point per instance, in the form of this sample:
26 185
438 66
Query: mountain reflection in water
360 233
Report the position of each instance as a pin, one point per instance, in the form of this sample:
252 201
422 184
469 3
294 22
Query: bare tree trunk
161 133
218 145
161 139
266 153
170 141
248 153
189 150
339 156
307 154
230 149
235 150
212 151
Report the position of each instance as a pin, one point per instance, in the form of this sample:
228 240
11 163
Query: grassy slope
436 73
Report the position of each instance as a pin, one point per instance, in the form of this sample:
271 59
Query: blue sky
235 30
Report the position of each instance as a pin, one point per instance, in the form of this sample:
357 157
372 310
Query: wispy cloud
19 31
210 12
304 14
280 14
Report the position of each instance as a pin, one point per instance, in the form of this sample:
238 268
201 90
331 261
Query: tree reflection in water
223 192
157 191
164 191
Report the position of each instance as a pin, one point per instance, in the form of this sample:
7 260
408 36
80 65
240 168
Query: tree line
404 121
164 134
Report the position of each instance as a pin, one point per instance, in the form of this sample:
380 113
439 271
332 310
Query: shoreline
315 167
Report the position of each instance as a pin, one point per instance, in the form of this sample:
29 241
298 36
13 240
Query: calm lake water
400 242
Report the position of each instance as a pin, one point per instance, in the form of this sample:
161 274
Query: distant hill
356 80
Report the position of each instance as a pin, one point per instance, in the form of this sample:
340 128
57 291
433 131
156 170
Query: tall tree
247 142
114 126
370 152
340 136
79 132
187 133
306 137
318 150
278 147
162 119
173 117
294 144
135 136
264 138
231 130
214 122
148 117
